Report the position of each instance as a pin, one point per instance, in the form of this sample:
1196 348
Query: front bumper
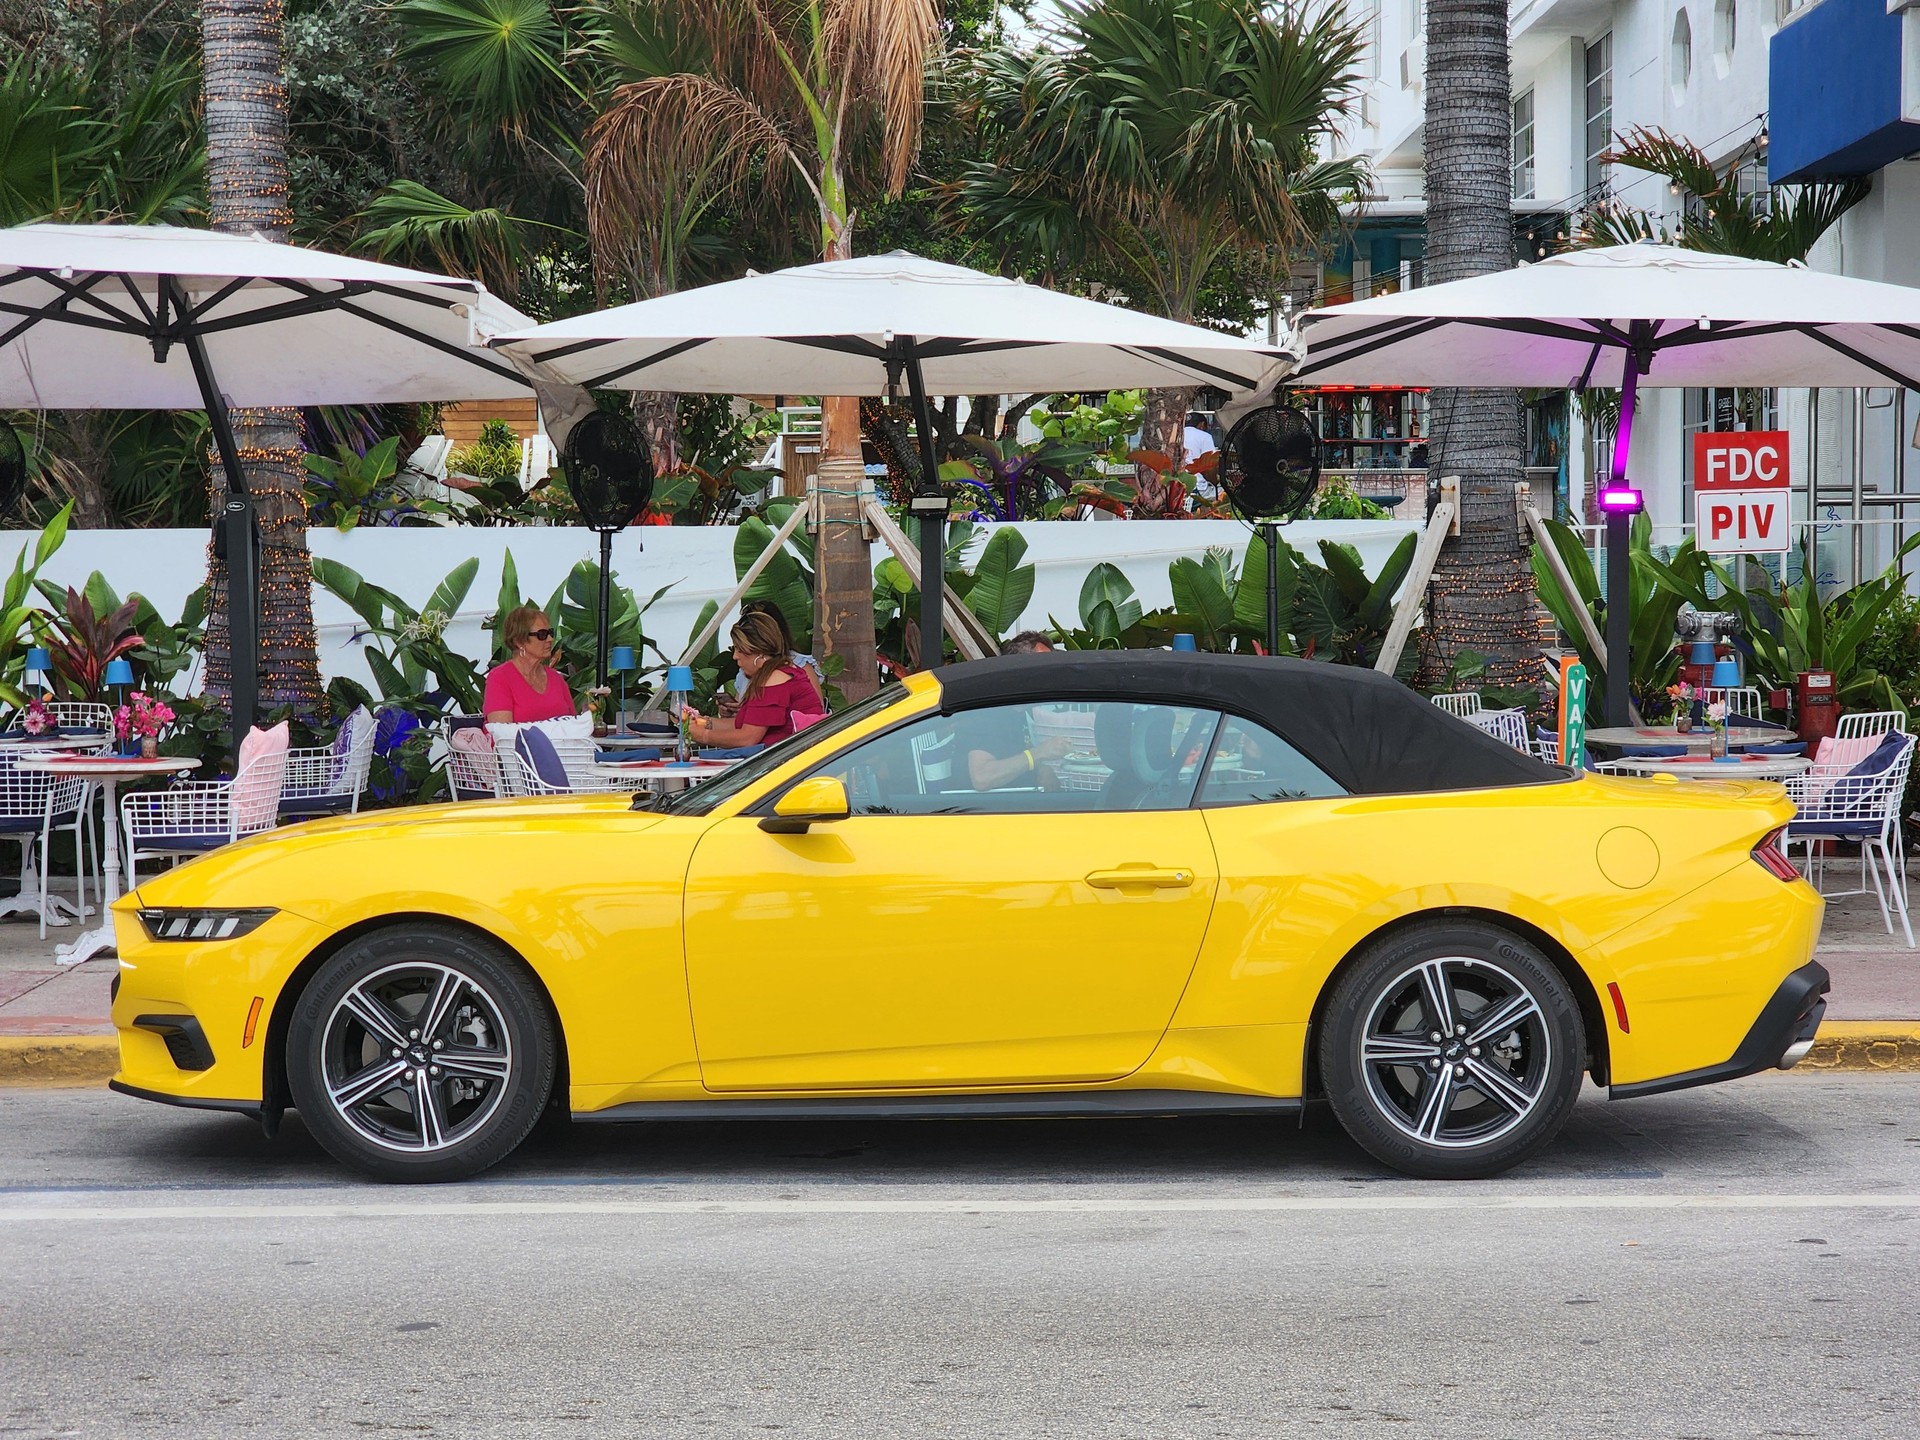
1778 1039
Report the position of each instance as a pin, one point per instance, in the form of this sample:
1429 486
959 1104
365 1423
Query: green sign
1573 713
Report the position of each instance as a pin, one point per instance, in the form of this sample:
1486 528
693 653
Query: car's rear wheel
1452 1050
420 1053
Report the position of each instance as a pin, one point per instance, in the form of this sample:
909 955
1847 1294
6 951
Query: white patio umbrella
165 318
872 325
1624 316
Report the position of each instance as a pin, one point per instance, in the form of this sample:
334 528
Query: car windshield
700 799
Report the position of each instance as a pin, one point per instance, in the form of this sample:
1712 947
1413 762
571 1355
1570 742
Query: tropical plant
493 455
1718 213
20 621
1105 428
83 641
995 585
1168 142
405 649
352 489
1338 500
1480 598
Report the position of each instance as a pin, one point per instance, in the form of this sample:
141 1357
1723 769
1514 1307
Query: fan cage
1270 463
13 470
609 470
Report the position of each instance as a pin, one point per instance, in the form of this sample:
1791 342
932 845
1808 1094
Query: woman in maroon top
777 691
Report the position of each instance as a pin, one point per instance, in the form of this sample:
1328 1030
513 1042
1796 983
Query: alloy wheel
416 1057
1456 1052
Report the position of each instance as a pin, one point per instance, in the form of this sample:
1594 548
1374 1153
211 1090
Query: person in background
999 752
729 704
1197 442
525 687
777 691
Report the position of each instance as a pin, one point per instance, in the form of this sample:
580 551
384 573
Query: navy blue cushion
638 752
1750 722
1832 829
19 825
539 756
1881 757
317 805
1653 752
182 840
1779 747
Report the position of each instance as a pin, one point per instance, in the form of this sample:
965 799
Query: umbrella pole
929 507
606 608
1620 555
236 539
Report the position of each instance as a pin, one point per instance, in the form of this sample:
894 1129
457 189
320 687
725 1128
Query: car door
1025 921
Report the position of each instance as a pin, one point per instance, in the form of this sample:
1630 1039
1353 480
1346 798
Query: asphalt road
1738 1261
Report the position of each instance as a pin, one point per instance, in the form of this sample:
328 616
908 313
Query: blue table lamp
1726 675
1184 641
620 660
1701 654
120 675
39 662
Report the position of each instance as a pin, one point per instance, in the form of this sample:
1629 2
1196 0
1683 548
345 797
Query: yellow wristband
1029 755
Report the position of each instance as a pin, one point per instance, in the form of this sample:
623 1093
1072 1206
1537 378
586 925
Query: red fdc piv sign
1740 492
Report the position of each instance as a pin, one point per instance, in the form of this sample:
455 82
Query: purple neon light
1622 498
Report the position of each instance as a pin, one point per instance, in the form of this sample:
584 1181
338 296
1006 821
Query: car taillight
1767 852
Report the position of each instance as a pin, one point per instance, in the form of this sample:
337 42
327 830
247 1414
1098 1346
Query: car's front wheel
1452 1050
420 1053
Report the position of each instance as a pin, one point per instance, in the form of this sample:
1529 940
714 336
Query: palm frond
880 51
407 221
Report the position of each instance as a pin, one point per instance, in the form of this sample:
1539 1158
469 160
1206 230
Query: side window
1031 759
1252 765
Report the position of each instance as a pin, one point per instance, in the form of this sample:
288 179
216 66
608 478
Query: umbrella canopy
832 328
91 317
1687 318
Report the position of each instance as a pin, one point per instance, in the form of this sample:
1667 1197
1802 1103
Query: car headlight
203 924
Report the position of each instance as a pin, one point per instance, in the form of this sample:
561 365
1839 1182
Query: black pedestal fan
1269 467
609 470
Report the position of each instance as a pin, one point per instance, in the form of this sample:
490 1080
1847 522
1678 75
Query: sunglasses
539 634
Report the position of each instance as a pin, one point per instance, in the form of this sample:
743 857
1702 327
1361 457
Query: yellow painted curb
58 1059
1858 1045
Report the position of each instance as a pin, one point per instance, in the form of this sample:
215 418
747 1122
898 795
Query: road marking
1069 1205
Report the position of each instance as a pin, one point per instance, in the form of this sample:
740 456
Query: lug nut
1433 1064
1458 1030
396 1054
1459 1072
1475 1052
439 1044
1435 1037
413 1034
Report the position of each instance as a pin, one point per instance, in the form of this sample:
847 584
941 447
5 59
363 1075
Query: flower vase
1683 720
1718 749
149 747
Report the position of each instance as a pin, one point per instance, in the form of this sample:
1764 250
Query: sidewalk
54 1027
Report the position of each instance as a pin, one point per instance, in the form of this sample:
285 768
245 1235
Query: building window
1599 110
1726 30
1680 54
1523 146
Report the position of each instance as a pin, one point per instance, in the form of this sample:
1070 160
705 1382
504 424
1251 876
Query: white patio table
27 899
106 771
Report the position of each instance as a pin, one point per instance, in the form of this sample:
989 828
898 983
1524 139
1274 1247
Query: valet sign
1740 494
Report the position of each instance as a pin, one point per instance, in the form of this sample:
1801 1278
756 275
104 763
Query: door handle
1141 877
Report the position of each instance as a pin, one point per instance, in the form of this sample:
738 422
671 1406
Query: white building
1844 76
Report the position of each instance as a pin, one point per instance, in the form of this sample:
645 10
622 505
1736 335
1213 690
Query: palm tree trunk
242 43
843 563
1482 596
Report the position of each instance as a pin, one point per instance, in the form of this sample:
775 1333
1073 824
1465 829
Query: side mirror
810 802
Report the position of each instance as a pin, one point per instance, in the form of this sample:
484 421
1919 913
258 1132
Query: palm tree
1164 143
1481 598
764 103
246 110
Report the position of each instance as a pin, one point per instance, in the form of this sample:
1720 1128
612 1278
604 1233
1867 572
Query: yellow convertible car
1067 884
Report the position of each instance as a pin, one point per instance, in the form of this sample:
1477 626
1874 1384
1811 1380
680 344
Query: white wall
167 565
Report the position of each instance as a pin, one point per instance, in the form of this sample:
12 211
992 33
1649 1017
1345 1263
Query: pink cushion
1834 758
472 738
801 719
256 793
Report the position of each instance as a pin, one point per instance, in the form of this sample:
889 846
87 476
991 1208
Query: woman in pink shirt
780 697
525 687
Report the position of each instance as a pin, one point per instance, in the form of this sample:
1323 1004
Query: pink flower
37 719
1717 712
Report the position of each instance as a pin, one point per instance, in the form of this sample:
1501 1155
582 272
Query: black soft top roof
1370 733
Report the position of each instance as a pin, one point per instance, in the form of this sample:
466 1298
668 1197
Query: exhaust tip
1795 1053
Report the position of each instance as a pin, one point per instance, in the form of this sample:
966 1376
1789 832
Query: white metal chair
1546 747
474 771
1860 805
82 715
32 806
191 817
1870 722
1739 699
328 779
1459 702
1509 726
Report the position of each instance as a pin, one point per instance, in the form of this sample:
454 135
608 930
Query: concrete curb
1866 1045
58 1059
1852 1046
